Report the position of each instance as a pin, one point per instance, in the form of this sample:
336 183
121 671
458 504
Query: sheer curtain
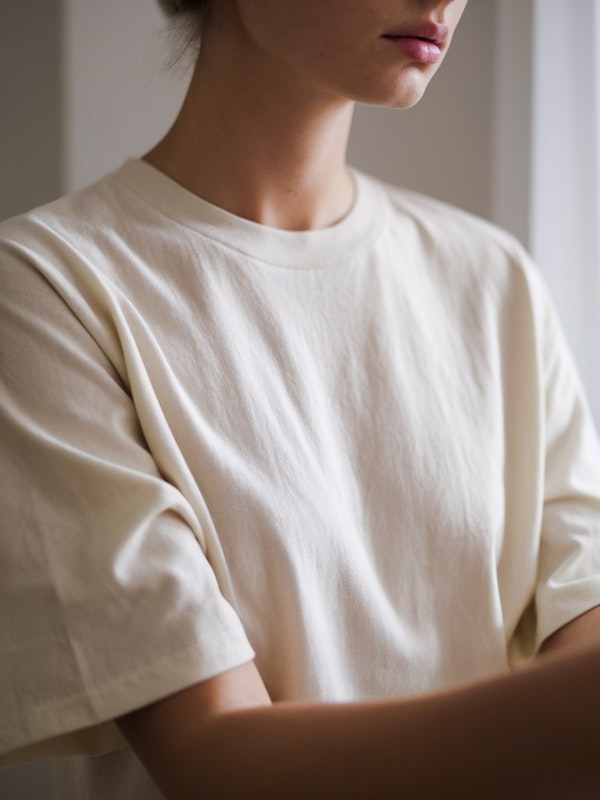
565 171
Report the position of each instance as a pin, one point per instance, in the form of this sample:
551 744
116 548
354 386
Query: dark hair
186 18
179 7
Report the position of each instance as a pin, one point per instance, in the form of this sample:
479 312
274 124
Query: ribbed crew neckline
293 249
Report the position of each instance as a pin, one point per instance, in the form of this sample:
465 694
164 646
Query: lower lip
421 50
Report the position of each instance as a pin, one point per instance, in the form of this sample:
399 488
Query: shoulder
438 220
75 218
87 243
67 260
454 244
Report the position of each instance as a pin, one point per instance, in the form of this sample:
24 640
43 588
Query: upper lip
431 31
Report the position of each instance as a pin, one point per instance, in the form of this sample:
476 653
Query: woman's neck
258 145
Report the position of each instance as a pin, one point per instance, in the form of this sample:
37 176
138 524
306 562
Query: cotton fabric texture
360 453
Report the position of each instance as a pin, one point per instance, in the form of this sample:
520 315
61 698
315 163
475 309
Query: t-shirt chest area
340 408
345 432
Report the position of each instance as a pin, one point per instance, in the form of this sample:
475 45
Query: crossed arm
533 733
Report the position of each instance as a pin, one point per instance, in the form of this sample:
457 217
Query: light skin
263 134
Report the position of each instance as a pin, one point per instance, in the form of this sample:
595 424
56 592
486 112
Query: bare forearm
531 734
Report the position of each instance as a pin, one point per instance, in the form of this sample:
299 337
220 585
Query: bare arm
532 734
583 631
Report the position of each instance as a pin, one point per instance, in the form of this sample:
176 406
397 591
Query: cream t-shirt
360 453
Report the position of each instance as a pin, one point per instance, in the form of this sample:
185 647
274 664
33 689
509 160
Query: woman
298 464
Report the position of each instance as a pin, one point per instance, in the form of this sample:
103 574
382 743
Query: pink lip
422 50
423 43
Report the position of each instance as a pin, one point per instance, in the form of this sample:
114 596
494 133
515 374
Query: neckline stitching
352 248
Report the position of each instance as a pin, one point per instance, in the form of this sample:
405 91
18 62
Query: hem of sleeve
84 724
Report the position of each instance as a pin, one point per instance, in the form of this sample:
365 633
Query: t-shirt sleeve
569 559
107 600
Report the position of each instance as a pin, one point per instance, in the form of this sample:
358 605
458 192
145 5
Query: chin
403 102
399 100
400 93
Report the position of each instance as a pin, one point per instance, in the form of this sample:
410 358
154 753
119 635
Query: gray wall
119 97
444 145
31 101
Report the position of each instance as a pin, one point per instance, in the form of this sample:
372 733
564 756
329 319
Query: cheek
277 27
311 35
